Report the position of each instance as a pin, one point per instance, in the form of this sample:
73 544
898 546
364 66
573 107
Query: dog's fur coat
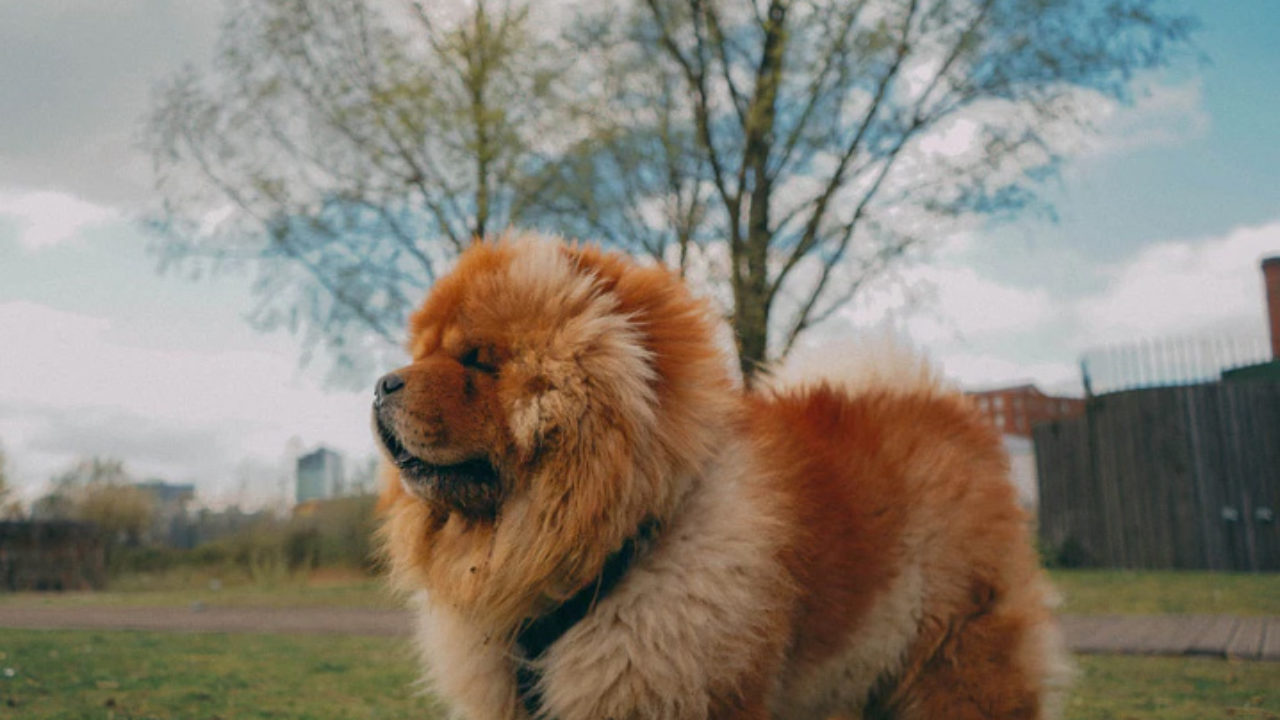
846 543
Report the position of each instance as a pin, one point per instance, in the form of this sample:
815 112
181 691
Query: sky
1162 219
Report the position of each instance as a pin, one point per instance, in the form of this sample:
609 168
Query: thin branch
398 233
956 49
417 173
811 232
278 238
702 116
815 92
846 235
869 270
721 43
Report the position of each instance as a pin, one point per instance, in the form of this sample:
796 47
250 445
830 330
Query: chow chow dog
596 520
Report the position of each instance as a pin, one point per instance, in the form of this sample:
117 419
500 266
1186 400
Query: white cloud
1183 288
45 219
71 388
973 306
1160 115
987 332
78 76
978 330
948 301
953 138
976 370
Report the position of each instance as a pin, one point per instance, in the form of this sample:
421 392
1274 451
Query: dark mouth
476 471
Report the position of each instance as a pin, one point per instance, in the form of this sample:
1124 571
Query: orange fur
824 549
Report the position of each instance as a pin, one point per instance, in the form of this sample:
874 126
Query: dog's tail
883 361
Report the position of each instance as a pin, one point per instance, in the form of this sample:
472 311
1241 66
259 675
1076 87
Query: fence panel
1171 477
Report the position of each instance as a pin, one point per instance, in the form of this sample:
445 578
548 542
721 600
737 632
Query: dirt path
1246 638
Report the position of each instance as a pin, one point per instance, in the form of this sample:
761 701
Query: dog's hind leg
1006 664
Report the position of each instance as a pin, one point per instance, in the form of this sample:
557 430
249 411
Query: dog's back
918 592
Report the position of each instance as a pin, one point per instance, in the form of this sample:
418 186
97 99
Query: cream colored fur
841 685
1059 672
686 621
690 618
464 665
879 361
593 341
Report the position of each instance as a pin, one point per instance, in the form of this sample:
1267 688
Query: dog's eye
472 360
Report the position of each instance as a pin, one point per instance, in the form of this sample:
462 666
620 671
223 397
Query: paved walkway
1246 638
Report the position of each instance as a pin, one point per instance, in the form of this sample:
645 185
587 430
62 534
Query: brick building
1271 280
1014 410
1269 370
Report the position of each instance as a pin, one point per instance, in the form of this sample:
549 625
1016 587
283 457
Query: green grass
1100 592
115 675
1126 687
182 588
73 675
1089 592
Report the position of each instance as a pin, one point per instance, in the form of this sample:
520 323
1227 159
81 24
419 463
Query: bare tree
830 136
348 155
5 490
121 512
632 177
10 509
100 491
795 150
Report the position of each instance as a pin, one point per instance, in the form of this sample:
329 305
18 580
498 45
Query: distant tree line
261 544
99 491
10 507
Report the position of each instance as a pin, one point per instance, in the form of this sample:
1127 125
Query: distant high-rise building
319 475
170 524
170 497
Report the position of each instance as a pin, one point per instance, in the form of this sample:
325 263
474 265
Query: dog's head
558 393
518 355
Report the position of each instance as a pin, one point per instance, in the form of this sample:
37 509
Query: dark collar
542 632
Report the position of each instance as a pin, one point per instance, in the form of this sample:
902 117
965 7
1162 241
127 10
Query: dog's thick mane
601 463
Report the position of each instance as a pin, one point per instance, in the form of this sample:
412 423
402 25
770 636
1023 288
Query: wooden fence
1175 477
51 555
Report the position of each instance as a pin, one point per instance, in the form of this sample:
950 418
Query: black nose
388 384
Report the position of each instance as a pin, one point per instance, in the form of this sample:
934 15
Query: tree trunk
751 326
752 300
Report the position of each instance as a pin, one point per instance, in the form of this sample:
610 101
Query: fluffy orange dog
599 524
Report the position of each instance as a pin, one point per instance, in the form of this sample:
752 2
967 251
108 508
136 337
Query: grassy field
73 675
1094 592
115 675
1088 592
1126 687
